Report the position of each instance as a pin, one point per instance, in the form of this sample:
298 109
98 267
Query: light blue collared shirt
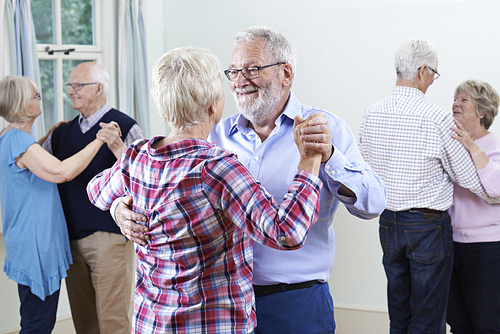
274 163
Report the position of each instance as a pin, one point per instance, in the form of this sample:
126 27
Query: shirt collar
176 150
292 109
410 91
92 119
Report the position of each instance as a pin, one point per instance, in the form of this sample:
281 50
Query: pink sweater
473 219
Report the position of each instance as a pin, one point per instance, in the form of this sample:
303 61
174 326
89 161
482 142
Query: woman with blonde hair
204 207
34 228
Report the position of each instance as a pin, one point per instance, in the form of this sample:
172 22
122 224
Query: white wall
345 63
346 50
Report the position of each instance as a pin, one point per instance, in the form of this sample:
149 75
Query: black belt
264 290
424 210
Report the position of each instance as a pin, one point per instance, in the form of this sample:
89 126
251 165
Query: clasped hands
110 133
314 136
311 135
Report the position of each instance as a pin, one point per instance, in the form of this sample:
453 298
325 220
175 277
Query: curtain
4 23
5 53
133 92
19 54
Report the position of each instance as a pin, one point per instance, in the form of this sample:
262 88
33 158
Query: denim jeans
474 303
418 259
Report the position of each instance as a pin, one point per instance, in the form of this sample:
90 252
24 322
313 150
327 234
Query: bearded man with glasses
291 288
100 280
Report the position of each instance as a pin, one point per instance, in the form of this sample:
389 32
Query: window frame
94 52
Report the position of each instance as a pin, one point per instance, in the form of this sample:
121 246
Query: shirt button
283 238
256 158
332 172
327 167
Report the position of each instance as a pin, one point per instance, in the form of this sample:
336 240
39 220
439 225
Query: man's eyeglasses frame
232 73
77 86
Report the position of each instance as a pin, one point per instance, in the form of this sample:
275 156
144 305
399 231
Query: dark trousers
308 310
418 259
37 316
474 302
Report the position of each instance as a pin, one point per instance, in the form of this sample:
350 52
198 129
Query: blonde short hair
484 97
185 82
15 92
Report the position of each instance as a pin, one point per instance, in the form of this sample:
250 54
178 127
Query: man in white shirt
407 142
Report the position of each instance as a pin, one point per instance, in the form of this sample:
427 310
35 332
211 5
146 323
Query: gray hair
277 45
101 75
15 92
484 97
185 82
412 55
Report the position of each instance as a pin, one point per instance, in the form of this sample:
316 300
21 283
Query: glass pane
76 21
49 102
43 17
68 66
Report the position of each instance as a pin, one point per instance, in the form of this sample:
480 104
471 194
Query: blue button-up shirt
274 163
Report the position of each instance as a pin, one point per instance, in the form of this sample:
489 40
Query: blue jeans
474 303
418 259
308 310
37 316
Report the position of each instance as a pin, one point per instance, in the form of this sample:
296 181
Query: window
67 34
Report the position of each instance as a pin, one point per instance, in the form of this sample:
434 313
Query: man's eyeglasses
436 74
37 96
77 86
250 72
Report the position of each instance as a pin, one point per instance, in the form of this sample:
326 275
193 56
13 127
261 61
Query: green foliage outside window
76 29
76 21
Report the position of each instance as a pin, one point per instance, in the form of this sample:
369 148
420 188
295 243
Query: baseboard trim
353 319
360 308
350 319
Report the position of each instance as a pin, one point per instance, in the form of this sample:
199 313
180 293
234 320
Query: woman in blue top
34 229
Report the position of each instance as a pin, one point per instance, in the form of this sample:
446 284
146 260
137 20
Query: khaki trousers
99 283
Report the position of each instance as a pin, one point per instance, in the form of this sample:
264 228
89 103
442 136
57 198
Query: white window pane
43 17
49 101
77 22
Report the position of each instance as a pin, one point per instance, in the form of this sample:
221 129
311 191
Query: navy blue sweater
82 217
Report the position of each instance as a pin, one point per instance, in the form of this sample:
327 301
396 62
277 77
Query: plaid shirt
195 275
407 142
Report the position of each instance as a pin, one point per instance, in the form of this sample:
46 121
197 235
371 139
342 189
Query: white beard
257 109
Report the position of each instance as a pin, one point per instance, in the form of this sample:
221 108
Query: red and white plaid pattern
195 275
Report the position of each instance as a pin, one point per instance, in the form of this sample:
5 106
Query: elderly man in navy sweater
99 281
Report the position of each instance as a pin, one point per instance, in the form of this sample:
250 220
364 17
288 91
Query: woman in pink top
474 303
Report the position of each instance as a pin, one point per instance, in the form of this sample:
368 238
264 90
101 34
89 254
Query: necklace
15 126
